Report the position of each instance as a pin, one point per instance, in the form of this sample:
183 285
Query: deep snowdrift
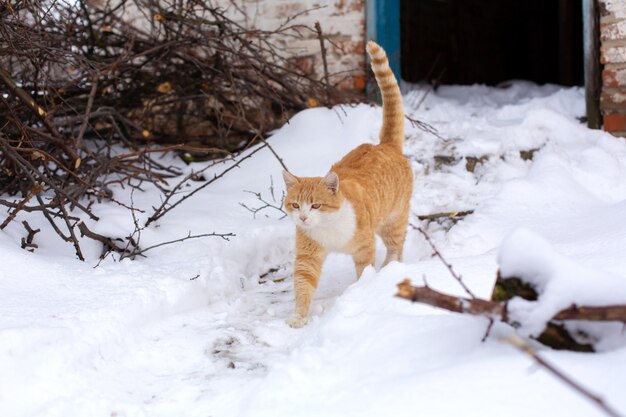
190 331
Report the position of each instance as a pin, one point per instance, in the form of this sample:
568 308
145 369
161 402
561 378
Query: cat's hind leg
393 235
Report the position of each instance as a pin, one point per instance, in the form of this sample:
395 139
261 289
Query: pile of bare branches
92 91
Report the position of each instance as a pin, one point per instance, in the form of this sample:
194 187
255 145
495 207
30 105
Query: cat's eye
315 206
295 205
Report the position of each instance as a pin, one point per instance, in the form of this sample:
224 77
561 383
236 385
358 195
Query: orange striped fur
392 130
366 193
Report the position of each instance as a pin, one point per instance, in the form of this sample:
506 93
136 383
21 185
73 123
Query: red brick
613 99
359 82
305 64
613 31
609 78
614 75
614 122
613 53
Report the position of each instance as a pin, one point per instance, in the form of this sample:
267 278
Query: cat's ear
331 180
289 178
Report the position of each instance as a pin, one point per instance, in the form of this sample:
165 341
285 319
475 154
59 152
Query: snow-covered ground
198 328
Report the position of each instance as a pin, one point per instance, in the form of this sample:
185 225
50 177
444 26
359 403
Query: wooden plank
591 40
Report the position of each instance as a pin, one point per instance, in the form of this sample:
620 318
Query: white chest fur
336 229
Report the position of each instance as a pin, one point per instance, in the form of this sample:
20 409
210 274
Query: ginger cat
366 193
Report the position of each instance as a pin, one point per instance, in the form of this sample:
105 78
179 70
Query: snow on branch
537 291
498 310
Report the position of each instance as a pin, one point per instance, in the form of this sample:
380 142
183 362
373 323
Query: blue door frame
383 26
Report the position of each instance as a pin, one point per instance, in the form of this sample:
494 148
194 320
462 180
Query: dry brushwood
90 98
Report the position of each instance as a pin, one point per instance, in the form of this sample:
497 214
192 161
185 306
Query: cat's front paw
296 321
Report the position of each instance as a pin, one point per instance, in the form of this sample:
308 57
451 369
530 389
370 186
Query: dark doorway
491 41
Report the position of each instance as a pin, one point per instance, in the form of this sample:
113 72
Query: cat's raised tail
392 131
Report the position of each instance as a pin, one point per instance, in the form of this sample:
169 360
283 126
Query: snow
198 328
560 281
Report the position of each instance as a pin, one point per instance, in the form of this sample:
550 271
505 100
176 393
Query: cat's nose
303 217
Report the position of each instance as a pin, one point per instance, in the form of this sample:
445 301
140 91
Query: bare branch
225 236
594 398
436 252
27 243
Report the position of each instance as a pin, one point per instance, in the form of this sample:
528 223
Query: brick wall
613 57
343 21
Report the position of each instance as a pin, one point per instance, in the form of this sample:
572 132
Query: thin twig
165 207
19 206
266 204
280 160
436 252
225 236
425 127
594 398
92 97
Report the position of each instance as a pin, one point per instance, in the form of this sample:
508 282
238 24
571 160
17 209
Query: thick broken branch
605 313
474 306
27 242
554 335
109 244
497 310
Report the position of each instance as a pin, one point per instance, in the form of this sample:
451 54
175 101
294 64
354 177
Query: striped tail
392 131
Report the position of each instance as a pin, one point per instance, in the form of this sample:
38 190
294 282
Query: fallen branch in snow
527 349
454 215
474 306
554 335
606 313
